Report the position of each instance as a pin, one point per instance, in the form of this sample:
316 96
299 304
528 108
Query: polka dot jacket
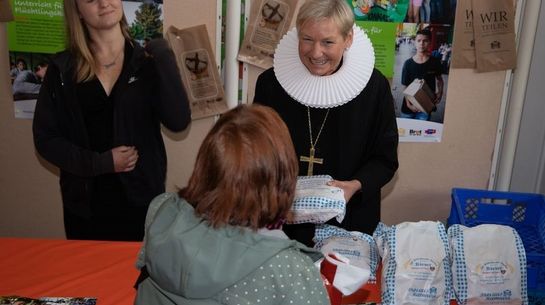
191 263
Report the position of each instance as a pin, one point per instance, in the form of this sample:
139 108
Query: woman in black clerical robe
338 108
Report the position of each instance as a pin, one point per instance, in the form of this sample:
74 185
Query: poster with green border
38 26
382 35
38 31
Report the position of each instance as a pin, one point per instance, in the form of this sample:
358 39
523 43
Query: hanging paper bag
463 47
494 30
269 21
198 69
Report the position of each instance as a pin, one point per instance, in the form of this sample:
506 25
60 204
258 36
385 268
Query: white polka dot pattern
290 277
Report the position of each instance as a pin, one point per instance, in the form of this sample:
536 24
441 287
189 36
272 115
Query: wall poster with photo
413 42
38 31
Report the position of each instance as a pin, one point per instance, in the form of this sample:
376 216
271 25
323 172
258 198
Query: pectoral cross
311 160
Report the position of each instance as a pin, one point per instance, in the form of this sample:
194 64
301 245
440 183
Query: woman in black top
98 119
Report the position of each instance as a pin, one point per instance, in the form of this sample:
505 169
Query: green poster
379 10
38 26
382 35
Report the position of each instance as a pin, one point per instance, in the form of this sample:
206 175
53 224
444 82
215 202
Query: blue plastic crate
536 297
523 211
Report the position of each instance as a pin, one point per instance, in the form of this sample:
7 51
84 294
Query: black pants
120 223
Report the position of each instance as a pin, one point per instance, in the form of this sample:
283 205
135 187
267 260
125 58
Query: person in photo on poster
338 107
438 11
28 83
20 65
425 11
413 13
98 119
421 66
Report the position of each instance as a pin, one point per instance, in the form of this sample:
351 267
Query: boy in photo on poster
421 66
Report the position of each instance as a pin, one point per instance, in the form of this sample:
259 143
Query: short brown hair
246 170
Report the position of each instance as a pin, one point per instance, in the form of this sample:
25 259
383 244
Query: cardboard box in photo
420 95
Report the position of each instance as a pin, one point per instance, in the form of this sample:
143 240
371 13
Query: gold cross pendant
311 160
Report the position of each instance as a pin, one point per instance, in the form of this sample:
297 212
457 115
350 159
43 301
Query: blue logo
430 131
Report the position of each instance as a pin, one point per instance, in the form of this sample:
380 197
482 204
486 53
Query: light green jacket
192 263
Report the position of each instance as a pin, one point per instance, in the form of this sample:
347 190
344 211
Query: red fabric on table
69 268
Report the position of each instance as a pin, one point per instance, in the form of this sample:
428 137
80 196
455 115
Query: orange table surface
69 268
101 269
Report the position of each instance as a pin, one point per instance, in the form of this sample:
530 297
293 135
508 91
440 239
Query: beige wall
30 203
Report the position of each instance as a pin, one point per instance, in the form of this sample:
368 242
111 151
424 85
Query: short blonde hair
78 41
246 170
336 10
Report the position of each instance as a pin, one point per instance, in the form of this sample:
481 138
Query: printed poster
392 27
38 31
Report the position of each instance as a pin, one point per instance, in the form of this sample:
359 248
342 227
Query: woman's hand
125 158
349 187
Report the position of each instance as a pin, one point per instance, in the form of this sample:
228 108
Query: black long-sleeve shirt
149 93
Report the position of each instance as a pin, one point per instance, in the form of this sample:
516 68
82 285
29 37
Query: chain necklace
111 64
311 159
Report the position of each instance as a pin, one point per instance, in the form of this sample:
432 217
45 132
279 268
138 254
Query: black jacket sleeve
53 123
173 106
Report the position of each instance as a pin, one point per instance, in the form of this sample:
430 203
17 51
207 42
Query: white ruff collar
330 90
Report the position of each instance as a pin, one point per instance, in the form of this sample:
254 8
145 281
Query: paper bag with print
198 69
494 29
5 11
463 47
269 21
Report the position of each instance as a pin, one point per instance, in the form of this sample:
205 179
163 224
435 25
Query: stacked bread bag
350 260
316 202
488 265
415 263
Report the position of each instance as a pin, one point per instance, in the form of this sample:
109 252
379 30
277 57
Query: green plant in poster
38 26
379 10
148 23
382 35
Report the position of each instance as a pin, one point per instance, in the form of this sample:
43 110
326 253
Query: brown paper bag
198 69
269 21
494 29
463 47
5 11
